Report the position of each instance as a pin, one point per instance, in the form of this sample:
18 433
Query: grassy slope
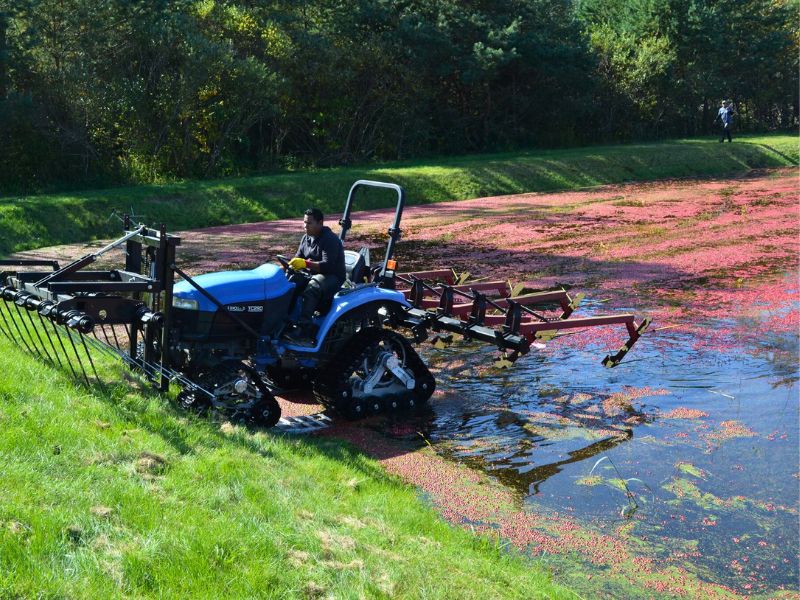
229 513
38 221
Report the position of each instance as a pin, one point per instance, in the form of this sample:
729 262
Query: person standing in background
725 116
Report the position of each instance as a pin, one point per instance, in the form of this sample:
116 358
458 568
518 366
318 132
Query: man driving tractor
320 252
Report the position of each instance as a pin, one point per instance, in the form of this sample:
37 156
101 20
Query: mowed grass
45 220
118 494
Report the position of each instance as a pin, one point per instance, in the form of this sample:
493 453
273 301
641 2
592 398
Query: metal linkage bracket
446 301
417 292
477 315
611 361
513 317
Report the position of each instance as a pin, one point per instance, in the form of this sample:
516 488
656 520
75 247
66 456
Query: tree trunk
704 127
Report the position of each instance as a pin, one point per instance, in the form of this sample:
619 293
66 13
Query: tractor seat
356 265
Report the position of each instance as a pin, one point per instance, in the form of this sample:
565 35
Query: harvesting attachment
495 312
221 337
59 313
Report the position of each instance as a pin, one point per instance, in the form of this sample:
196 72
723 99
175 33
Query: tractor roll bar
394 230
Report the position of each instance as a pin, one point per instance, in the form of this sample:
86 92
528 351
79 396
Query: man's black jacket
327 250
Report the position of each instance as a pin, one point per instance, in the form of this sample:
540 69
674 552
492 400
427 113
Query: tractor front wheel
239 392
377 371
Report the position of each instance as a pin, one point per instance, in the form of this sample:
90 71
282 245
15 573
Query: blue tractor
228 338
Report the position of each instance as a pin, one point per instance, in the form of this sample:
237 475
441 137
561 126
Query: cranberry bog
674 474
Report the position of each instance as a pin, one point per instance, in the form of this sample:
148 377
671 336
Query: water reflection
704 441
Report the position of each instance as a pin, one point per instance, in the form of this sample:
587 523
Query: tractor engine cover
260 297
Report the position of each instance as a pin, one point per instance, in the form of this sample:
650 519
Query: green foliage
134 91
111 494
37 221
635 69
688 55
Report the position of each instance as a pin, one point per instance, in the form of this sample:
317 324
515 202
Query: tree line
144 90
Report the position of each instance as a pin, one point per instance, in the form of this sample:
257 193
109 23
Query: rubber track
221 375
334 391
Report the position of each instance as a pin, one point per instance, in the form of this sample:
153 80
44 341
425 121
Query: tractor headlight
184 303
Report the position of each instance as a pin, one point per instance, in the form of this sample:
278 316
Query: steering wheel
291 273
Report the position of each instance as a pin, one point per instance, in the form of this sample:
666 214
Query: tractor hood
233 287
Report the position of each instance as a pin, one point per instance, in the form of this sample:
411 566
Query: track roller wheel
355 410
395 404
266 412
375 405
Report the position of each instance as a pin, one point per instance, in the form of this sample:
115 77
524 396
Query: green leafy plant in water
590 480
621 484
692 470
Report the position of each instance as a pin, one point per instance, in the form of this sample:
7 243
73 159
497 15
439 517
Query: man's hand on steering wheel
298 263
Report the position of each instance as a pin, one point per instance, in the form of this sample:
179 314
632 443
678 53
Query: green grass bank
38 221
117 494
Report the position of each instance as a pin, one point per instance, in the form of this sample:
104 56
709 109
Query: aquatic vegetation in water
684 413
690 469
589 480
684 489
729 430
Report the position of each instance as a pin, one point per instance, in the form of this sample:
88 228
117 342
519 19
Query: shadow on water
531 477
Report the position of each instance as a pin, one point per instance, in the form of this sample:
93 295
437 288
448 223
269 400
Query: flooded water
689 451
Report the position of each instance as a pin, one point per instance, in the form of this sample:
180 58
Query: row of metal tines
499 305
39 327
66 338
489 303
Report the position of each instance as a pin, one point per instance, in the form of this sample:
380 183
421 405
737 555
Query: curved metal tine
61 343
116 339
28 331
52 345
19 331
80 362
5 328
130 331
39 337
105 334
91 362
150 369
126 358
98 344
104 347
